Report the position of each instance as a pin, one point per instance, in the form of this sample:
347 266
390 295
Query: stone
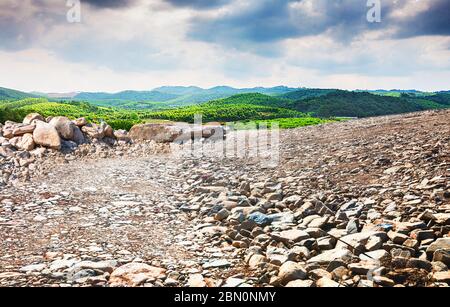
221 215
64 126
360 238
94 131
80 122
122 135
383 281
411 243
439 244
379 255
442 277
135 274
374 243
33 268
330 255
108 130
257 261
105 266
32 117
363 267
260 219
233 282
419 263
319 273
217 264
159 133
298 283
422 235
78 136
196 280
318 222
23 129
291 271
46 135
294 235
396 237
442 255
326 282
24 142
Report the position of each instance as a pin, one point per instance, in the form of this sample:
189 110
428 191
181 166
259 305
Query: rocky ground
359 203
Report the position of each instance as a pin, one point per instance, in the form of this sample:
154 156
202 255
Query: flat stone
298 283
134 274
33 268
330 255
294 235
291 271
326 282
217 264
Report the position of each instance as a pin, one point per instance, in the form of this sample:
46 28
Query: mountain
363 104
172 96
305 93
179 90
10 94
127 95
193 95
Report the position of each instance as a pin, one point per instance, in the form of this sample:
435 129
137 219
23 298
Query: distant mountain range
178 95
220 103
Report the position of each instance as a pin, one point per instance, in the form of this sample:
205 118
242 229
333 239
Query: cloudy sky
142 44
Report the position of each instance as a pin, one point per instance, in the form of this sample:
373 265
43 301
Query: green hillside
240 107
363 104
9 94
306 93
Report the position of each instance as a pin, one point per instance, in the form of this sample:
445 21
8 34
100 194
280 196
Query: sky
143 44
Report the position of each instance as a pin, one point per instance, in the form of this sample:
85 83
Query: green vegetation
284 123
306 93
290 109
9 94
363 104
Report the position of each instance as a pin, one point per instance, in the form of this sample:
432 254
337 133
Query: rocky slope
359 203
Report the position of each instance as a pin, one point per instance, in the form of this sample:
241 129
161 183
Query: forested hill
364 104
9 94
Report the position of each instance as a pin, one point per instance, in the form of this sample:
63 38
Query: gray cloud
198 4
434 21
109 3
269 21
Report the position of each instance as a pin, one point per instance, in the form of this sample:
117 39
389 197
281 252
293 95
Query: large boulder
80 122
12 129
213 132
64 126
160 133
23 129
94 131
32 117
24 142
122 135
78 136
46 135
108 130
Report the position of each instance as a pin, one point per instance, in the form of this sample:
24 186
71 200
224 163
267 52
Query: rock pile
363 203
21 144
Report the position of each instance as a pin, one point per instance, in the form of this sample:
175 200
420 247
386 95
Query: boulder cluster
55 133
22 144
